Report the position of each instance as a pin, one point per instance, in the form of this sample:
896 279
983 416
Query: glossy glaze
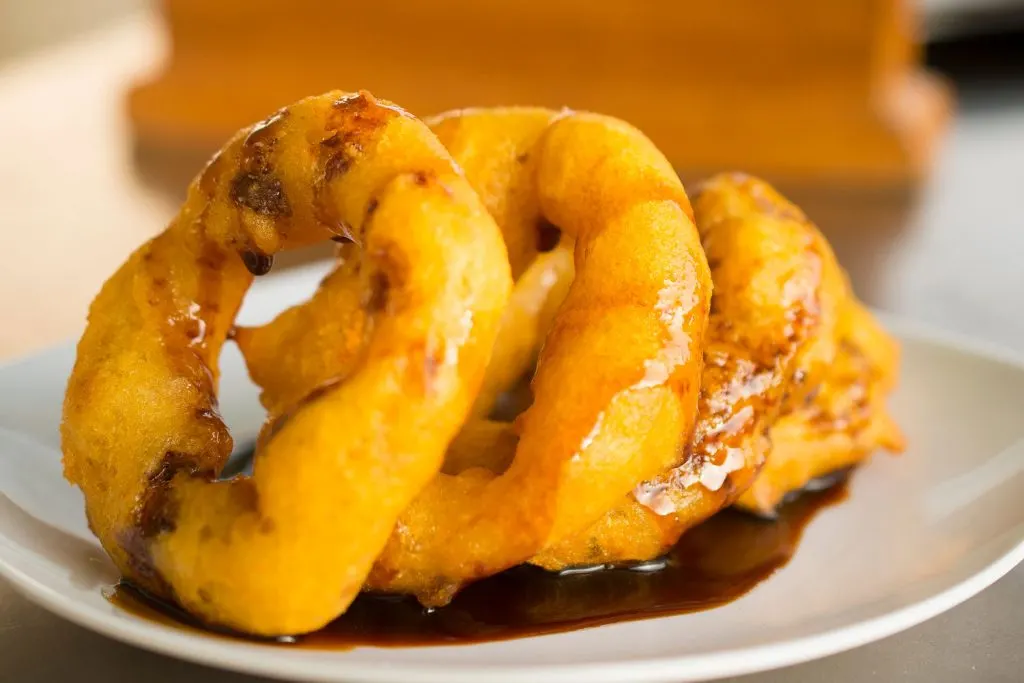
712 565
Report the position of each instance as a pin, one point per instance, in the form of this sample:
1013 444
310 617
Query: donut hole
515 401
239 402
548 236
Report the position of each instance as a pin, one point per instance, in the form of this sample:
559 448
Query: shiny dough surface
777 326
680 360
141 434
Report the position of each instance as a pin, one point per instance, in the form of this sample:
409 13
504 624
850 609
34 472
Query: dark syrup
713 564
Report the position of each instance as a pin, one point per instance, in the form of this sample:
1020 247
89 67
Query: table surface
72 209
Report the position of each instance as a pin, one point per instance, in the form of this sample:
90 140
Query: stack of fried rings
654 404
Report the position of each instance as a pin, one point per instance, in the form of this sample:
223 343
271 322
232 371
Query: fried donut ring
840 420
771 335
841 423
322 335
286 550
617 381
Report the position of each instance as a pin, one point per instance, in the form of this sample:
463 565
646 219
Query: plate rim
259 660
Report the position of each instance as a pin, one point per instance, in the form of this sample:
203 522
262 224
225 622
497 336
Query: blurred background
894 123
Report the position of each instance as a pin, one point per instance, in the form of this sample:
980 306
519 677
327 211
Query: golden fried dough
841 423
617 380
474 249
771 331
773 339
616 384
286 550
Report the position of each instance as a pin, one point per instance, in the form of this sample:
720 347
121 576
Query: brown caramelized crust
841 423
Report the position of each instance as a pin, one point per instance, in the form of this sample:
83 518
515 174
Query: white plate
919 534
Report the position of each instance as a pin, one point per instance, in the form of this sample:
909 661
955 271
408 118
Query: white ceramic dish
919 534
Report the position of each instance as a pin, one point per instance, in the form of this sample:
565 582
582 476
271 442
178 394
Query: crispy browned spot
257 262
261 193
157 512
340 162
371 206
377 298
256 186
351 123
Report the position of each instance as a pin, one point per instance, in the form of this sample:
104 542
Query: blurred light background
893 123
26 24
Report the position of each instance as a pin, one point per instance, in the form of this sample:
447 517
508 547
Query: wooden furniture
802 91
